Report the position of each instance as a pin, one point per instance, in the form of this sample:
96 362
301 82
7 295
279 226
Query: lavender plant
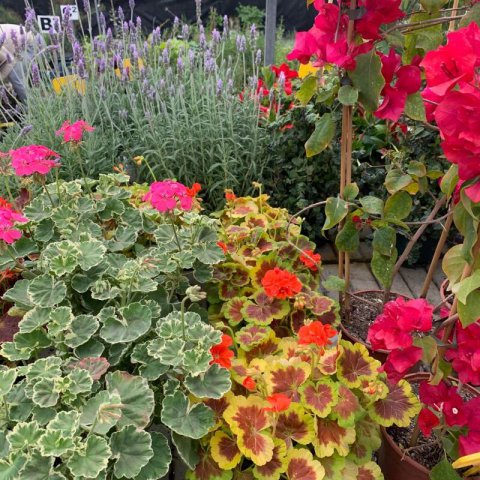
172 97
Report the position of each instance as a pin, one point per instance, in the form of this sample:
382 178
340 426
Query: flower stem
172 222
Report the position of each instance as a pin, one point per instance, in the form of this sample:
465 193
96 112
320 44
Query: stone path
408 282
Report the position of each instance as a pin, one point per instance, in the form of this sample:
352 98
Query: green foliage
250 14
106 324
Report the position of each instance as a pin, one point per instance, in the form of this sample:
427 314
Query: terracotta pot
380 355
394 464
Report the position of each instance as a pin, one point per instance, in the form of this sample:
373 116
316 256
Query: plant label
74 15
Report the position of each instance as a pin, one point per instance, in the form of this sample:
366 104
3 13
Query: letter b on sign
46 22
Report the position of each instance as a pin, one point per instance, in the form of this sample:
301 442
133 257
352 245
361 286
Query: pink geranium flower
33 159
73 132
167 195
8 219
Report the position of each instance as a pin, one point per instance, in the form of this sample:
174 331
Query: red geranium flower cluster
393 330
453 100
465 357
444 405
221 353
8 218
316 333
400 82
310 259
167 195
327 39
73 132
279 283
33 159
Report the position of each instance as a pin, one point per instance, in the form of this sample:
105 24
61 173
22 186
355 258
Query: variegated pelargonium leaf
368 440
7 379
397 408
130 323
104 410
295 425
355 365
287 378
232 310
193 421
150 368
158 466
90 458
319 397
263 310
132 449
213 383
90 253
369 471
248 420
136 398
46 291
55 443
59 320
273 469
348 407
60 258
23 435
264 264
33 319
38 467
224 450
251 336
302 466
208 469
331 438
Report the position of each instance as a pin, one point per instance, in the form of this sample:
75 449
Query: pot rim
358 339
416 378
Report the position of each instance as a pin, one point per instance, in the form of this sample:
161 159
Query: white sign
46 22
74 15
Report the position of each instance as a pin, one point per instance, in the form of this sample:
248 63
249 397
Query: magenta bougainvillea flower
399 362
167 195
8 218
427 421
400 82
33 159
393 328
73 132
465 357
377 13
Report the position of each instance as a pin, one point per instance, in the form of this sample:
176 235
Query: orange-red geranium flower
317 333
223 246
230 196
281 284
221 353
310 259
279 402
195 188
249 383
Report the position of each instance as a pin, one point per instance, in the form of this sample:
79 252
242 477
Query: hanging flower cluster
8 218
33 159
400 82
327 40
453 100
167 195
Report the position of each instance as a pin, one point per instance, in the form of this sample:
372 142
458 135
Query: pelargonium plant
308 408
266 284
112 352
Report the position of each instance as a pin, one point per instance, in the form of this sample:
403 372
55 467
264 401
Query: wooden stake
436 256
451 25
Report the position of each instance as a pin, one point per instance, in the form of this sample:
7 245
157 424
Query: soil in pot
399 459
362 314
